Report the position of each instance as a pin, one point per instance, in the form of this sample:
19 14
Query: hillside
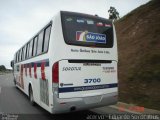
138 35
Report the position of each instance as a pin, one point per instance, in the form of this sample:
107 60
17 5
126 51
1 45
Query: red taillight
55 73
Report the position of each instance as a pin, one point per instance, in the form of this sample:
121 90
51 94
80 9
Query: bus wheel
15 84
31 98
14 81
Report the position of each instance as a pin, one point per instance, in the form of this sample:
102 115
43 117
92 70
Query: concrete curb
126 109
145 110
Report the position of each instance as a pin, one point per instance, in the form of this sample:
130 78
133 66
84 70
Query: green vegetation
2 68
113 13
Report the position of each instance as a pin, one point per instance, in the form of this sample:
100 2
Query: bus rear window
85 30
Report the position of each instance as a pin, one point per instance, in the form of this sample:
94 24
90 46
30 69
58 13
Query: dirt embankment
138 35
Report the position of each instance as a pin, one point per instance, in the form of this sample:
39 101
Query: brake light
55 73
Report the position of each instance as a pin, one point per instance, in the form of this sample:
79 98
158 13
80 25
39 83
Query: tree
113 13
2 68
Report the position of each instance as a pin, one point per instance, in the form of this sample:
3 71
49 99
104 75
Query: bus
70 64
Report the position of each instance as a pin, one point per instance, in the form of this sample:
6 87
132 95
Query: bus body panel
81 103
82 99
28 77
86 79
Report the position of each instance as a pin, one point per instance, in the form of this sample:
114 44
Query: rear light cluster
55 73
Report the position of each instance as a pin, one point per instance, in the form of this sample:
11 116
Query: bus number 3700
95 80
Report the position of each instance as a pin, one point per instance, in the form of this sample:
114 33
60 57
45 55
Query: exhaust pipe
73 108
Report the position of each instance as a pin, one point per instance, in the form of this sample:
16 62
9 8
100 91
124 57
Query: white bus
70 64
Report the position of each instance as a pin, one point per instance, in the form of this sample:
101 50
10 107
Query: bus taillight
55 73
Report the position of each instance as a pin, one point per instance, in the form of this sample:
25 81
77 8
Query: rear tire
31 98
15 84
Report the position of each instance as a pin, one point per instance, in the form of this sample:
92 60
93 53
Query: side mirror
12 63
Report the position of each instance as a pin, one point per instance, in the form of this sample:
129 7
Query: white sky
20 19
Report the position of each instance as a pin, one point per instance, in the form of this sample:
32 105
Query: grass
5 72
148 69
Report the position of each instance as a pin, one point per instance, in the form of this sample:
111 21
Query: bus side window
18 56
28 46
24 53
35 45
40 42
46 38
31 48
20 52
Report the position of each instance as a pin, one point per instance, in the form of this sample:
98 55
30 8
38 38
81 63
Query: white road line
0 89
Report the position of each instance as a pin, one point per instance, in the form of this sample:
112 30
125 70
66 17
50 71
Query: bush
2 68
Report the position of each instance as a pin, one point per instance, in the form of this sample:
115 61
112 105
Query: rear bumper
75 104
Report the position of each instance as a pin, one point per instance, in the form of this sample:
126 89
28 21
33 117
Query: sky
21 19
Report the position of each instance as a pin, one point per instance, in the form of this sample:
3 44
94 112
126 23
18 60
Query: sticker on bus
90 22
69 19
107 25
86 36
99 24
80 21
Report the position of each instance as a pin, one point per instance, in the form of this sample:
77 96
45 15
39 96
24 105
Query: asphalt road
14 103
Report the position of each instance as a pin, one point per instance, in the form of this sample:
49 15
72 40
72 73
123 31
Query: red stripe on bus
30 66
21 74
26 69
35 70
43 70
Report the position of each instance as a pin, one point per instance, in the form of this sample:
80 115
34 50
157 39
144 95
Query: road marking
126 110
0 89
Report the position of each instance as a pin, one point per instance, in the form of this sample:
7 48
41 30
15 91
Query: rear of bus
84 72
